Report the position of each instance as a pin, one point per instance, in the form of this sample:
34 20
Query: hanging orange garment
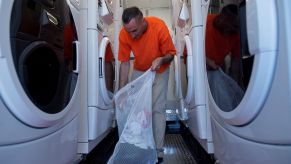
68 40
108 54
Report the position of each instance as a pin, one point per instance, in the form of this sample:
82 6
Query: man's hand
211 65
156 64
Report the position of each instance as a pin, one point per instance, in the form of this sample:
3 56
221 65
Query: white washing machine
97 104
39 87
191 80
258 130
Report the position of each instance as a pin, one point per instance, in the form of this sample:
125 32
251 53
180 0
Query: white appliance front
192 82
257 130
97 114
101 110
38 86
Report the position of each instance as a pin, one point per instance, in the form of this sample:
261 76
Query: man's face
134 27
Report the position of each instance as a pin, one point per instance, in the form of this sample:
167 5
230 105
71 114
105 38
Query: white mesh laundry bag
134 119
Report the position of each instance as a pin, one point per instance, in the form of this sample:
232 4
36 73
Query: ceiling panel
147 4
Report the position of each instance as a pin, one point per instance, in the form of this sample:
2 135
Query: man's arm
156 64
123 74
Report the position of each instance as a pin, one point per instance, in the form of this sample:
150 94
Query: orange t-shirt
108 54
217 46
155 42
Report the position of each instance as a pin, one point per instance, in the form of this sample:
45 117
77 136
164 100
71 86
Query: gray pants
159 98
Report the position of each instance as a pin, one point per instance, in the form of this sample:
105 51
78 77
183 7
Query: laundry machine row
190 69
39 84
45 50
97 110
257 130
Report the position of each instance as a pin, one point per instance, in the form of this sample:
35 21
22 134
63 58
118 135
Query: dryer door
186 67
263 41
106 71
37 79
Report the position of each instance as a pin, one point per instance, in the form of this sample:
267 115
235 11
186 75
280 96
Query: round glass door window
107 70
41 36
228 62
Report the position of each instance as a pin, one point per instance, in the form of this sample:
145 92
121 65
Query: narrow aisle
180 148
176 150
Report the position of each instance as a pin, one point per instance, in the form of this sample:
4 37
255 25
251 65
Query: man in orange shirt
222 38
150 41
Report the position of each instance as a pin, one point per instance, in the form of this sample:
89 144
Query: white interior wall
162 13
